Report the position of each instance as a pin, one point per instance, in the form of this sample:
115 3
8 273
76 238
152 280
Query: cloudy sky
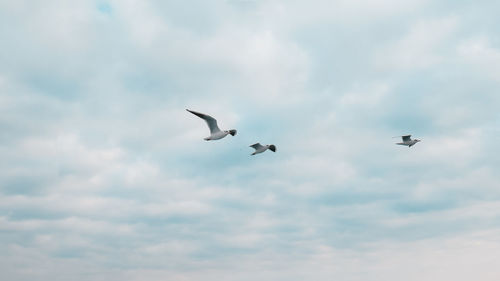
105 176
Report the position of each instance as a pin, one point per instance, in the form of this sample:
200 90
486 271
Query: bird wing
211 122
256 146
406 138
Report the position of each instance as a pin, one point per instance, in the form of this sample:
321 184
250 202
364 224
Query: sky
105 176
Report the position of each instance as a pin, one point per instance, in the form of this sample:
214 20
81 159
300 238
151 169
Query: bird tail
232 132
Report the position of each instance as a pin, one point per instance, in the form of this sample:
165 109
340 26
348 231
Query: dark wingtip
272 147
201 115
232 132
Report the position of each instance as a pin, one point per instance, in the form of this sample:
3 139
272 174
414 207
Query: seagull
259 148
408 141
215 132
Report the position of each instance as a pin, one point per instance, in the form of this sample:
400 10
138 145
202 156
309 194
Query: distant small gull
259 148
215 132
407 140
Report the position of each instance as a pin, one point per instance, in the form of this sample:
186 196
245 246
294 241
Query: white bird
408 141
259 148
215 132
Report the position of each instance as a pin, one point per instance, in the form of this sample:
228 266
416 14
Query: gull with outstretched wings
215 132
407 140
259 148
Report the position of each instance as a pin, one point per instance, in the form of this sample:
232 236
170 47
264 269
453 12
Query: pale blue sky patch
105 8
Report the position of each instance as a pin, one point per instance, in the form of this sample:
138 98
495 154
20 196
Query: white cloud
484 58
141 20
423 46
370 97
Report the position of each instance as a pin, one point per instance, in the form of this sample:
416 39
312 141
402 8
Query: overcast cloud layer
105 176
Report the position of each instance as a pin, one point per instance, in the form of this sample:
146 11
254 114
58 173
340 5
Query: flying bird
259 148
407 141
215 132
